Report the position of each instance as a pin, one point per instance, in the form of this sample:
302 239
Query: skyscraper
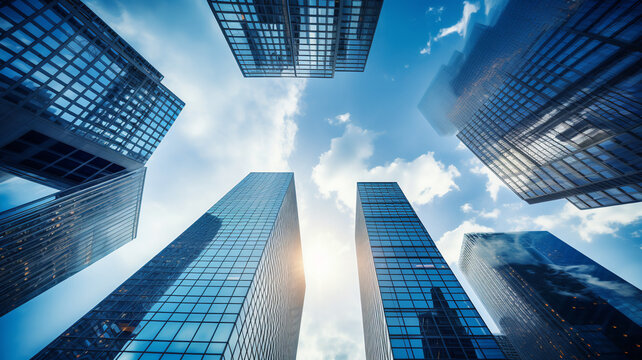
550 300
308 38
46 241
413 306
76 101
549 99
231 286
80 111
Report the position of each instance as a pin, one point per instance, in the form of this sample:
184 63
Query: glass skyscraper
76 101
413 306
80 111
550 300
304 38
548 98
48 240
230 287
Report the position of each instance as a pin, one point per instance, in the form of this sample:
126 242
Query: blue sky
331 133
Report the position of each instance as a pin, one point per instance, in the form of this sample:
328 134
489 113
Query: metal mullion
43 215
64 239
27 19
47 59
69 195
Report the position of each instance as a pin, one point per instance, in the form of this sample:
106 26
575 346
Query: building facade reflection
548 98
48 240
550 300
230 287
413 306
298 38
66 77
80 111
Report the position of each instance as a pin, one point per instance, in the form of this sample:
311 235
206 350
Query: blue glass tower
413 306
305 38
549 99
76 101
48 240
230 287
80 111
550 300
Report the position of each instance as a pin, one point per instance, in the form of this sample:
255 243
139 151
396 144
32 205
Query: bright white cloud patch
343 117
466 208
589 223
427 49
493 183
345 163
462 24
449 243
340 119
459 28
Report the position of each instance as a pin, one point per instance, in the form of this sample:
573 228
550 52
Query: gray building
48 240
280 38
230 287
550 300
413 307
548 98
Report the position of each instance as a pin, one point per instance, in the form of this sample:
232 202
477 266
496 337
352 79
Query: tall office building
80 111
46 241
76 101
306 38
231 286
413 306
550 300
549 99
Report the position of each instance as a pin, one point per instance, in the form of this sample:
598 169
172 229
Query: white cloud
490 4
514 206
427 49
467 208
494 214
343 117
339 168
493 183
340 119
449 243
592 222
432 9
461 146
461 26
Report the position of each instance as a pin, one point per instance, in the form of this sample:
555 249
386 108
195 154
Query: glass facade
550 300
302 38
230 287
50 239
413 306
63 66
507 347
549 99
